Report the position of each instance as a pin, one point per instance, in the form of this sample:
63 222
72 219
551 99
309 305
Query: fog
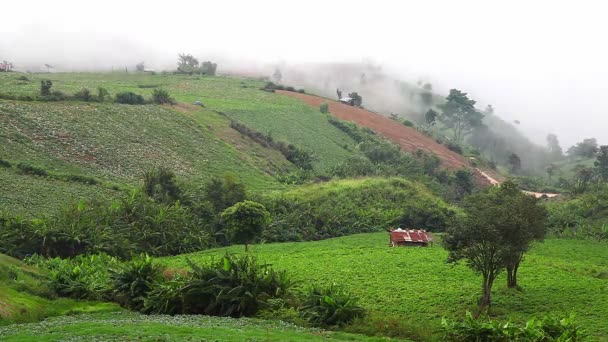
542 63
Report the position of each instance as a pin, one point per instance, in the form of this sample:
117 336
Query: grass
118 143
24 296
285 118
30 196
121 326
416 284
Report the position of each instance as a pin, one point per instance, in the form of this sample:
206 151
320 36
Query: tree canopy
459 113
245 221
499 228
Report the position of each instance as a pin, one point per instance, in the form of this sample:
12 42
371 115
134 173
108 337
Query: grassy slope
130 326
241 99
558 276
118 143
22 300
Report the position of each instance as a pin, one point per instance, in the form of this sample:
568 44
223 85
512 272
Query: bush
301 91
289 88
45 87
129 98
82 179
133 281
5 163
454 147
161 96
83 95
546 329
408 123
330 306
233 286
23 78
83 277
27 169
324 107
101 94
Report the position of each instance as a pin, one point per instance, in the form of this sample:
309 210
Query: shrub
324 107
83 95
290 88
301 91
408 123
454 147
129 98
27 169
5 163
330 306
45 87
546 329
82 179
161 96
23 78
233 286
101 94
133 281
83 277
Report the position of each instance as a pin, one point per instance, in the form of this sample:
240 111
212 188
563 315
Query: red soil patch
408 138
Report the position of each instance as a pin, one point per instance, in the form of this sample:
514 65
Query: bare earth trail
407 137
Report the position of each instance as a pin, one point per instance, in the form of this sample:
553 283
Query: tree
551 169
245 221
489 110
223 193
555 151
208 68
459 113
586 149
499 227
187 64
526 224
601 162
427 95
463 181
277 76
430 117
140 66
48 67
160 185
515 162
45 87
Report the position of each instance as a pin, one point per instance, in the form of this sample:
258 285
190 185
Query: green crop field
557 277
118 143
121 326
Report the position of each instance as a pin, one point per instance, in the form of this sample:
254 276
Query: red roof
411 235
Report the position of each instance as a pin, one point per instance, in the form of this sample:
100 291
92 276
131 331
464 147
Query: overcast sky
543 63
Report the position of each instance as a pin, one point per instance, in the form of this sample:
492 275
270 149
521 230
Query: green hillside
117 143
416 284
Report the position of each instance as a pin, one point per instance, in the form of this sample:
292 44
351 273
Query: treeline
159 96
162 218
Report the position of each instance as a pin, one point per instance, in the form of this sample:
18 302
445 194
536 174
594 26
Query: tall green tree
526 225
459 114
245 222
499 228
161 185
430 117
601 162
224 192
515 162
555 150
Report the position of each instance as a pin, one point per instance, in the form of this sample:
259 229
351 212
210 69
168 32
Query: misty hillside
385 94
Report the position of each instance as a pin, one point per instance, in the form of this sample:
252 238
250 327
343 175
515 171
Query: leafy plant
133 281
129 98
330 305
161 96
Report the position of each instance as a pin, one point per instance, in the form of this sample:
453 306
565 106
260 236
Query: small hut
410 237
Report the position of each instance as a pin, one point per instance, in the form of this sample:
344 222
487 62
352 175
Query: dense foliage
130 225
547 329
353 206
330 305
